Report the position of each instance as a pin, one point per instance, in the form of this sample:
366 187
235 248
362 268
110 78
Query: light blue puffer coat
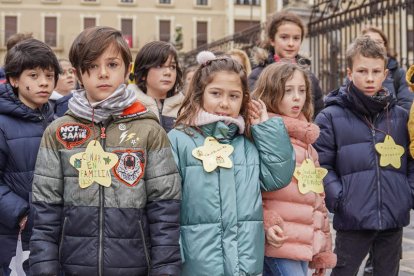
221 211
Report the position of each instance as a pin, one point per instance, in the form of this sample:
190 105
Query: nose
370 76
296 95
290 41
224 103
103 73
43 81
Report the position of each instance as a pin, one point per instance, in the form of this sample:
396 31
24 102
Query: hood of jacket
11 105
340 97
262 57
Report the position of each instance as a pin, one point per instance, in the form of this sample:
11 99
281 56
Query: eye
173 67
297 38
33 75
50 76
93 66
113 65
235 96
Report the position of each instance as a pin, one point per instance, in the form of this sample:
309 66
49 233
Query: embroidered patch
73 134
130 167
125 136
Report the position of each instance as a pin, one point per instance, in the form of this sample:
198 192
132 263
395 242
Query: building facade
58 22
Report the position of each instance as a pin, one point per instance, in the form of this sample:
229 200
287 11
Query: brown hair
91 43
16 38
204 75
244 57
271 87
281 18
365 47
373 29
154 54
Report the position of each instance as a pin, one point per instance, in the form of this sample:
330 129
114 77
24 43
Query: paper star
309 177
213 154
390 152
94 165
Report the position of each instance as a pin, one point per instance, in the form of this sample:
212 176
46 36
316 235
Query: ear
385 74
349 73
129 71
14 82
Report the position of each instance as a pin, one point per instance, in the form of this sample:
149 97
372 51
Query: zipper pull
103 134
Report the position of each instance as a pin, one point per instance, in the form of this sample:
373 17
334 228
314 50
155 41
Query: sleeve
325 258
317 94
163 185
326 148
410 127
12 206
277 158
47 205
404 96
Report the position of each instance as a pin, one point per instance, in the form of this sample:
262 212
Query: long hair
271 87
205 73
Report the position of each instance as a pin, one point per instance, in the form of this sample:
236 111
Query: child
241 57
223 171
303 233
363 143
187 77
285 33
63 92
158 80
106 190
32 71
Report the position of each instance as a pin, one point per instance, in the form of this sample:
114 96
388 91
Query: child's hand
257 112
22 223
319 272
275 236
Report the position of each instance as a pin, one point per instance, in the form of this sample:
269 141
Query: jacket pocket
62 235
147 257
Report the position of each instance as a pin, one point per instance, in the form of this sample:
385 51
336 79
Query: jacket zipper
61 238
101 203
145 246
378 176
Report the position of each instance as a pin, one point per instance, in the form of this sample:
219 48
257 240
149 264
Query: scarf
114 105
204 118
368 106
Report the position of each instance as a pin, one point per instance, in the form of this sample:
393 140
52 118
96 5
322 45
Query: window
51 31
240 25
202 2
165 27
248 2
165 1
92 1
201 33
127 1
10 26
89 22
126 29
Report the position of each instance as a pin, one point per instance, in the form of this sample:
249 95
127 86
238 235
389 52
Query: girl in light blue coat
227 151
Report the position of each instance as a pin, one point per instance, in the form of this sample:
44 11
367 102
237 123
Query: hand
319 272
275 236
257 112
22 223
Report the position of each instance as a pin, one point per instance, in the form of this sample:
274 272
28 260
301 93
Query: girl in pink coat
296 219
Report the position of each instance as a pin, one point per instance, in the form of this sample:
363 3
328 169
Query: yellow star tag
309 177
390 152
94 165
213 154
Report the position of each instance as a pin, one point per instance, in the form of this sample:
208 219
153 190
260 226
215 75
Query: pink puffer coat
303 217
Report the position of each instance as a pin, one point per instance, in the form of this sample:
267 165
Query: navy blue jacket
60 106
361 193
396 83
21 129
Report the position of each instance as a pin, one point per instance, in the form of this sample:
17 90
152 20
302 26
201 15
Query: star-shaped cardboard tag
309 177
390 152
94 165
213 154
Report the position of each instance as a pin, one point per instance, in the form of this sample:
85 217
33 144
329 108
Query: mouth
222 114
43 94
104 86
166 82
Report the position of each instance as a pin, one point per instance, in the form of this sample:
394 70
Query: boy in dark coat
32 71
364 145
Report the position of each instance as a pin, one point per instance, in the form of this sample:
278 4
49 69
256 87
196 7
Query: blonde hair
271 87
243 56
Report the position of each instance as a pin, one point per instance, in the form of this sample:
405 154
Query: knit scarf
368 105
114 105
204 118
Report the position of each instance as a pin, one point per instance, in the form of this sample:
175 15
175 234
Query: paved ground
407 263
